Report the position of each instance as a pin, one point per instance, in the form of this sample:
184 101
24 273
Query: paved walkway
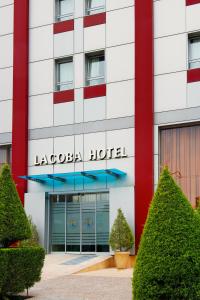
58 265
58 282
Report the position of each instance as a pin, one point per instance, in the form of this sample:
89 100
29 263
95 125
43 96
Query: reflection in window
65 10
194 52
95 6
65 74
95 69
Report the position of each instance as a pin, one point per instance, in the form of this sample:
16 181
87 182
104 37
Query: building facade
96 96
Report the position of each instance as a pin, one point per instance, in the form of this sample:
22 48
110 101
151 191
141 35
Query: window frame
88 79
58 84
63 17
8 148
191 61
95 10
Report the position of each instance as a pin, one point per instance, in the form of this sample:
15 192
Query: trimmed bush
121 237
3 269
168 260
23 268
33 241
14 224
198 208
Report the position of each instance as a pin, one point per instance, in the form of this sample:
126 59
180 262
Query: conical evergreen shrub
121 237
33 241
168 260
14 224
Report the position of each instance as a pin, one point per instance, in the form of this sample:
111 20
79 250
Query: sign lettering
69 157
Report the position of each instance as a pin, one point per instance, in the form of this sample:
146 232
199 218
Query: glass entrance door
88 208
73 236
79 222
58 223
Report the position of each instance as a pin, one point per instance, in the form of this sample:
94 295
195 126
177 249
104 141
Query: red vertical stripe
20 94
144 112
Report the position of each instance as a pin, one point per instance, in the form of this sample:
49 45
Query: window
65 10
64 79
5 155
194 52
95 6
95 65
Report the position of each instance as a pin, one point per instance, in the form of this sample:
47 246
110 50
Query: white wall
5 116
113 4
120 69
192 17
116 37
64 44
6 65
120 99
41 77
35 207
6 83
193 92
41 43
170 92
6 19
173 22
116 25
90 42
122 198
169 17
41 12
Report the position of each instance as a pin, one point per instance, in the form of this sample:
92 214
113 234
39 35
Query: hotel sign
69 157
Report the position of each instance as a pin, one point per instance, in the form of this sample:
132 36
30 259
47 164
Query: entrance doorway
79 222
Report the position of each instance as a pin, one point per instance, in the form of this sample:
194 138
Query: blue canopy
69 178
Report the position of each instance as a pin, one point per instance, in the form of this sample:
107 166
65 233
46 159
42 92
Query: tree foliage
121 237
168 260
34 239
14 224
21 268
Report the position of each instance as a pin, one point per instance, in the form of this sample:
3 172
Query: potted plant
121 240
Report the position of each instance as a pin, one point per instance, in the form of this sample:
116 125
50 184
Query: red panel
93 20
63 96
95 91
20 94
191 2
63 26
144 112
193 75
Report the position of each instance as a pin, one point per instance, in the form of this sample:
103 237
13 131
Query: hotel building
96 96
